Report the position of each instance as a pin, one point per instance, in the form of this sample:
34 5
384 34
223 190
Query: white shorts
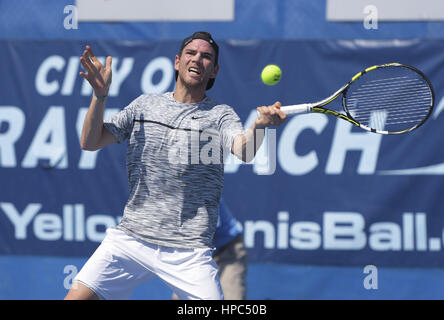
122 262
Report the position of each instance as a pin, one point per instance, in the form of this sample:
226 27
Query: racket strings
398 89
395 92
392 81
394 100
405 105
394 106
390 102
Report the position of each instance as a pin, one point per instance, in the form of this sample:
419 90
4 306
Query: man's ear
215 71
176 62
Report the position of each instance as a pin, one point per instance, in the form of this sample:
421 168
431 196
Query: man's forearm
93 125
245 146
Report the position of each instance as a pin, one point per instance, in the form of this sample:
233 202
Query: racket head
391 98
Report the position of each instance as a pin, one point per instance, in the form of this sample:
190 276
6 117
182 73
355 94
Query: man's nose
197 58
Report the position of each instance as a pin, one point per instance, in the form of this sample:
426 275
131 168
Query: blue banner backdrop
331 195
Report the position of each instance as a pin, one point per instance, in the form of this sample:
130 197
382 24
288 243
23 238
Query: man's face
196 64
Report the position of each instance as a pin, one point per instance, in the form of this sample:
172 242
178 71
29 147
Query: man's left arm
246 145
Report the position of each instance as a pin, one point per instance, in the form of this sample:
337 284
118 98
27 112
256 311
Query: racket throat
336 114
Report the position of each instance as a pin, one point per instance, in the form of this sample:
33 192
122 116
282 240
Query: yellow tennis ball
271 74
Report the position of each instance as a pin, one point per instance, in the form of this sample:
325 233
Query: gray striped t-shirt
175 167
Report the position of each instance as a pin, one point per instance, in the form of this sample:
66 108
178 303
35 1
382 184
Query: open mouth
194 70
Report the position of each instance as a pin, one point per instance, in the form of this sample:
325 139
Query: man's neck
186 95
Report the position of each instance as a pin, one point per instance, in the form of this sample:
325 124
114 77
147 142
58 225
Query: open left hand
98 75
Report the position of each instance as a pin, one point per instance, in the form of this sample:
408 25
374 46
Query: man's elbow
87 147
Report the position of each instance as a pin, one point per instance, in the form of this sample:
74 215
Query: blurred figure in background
230 254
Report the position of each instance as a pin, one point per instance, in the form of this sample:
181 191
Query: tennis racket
390 98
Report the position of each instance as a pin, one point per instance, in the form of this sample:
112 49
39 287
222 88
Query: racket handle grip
294 109
297 108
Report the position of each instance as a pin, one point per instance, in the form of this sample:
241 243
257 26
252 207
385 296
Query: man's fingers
88 64
263 111
86 60
84 75
93 63
281 114
272 115
85 65
87 57
277 105
91 53
109 61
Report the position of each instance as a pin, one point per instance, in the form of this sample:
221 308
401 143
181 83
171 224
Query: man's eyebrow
208 53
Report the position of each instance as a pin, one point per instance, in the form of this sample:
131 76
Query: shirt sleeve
229 127
121 124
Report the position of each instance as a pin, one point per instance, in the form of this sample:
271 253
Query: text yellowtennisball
271 74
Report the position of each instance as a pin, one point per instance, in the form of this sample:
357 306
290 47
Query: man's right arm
94 135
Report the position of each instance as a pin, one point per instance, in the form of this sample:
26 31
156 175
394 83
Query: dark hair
207 37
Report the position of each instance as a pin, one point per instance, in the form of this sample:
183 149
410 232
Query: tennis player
170 218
